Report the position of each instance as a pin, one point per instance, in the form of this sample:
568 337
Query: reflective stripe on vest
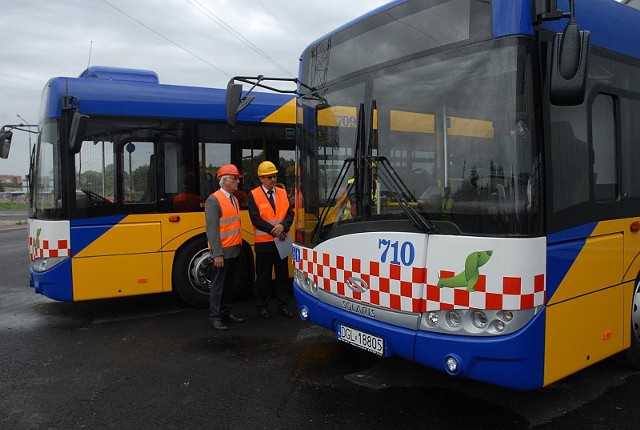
266 211
230 227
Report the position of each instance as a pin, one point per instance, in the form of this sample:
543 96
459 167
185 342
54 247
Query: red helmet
228 169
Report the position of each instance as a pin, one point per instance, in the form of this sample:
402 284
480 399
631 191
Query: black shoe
219 325
232 319
285 313
264 313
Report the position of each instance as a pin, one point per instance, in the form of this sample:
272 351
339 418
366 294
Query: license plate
360 339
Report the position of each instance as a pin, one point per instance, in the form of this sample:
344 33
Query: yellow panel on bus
117 275
602 252
283 115
126 237
412 121
470 127
583 331
337 116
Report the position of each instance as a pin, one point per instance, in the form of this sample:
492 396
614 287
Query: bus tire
191 269
631 356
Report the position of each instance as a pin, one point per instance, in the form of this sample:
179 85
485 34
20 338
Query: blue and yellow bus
469 196
115 149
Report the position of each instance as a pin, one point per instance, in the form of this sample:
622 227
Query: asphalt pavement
10 220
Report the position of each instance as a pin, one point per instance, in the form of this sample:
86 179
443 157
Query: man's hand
277 230
218 261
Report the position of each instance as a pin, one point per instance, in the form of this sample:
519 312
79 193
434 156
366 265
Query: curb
12 225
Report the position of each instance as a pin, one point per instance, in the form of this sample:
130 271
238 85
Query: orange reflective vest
186 202
230 227
266 211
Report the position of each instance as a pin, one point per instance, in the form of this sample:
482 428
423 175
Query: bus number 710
405 251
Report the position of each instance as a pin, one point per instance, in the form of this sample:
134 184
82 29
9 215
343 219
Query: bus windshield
46 180
447 136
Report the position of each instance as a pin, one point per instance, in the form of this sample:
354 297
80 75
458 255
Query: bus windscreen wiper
346 164
400 193
357 162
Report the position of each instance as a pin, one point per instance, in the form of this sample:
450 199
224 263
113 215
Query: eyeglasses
270 177
233 179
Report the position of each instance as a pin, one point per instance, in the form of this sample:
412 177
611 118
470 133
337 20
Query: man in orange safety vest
225 243
271 215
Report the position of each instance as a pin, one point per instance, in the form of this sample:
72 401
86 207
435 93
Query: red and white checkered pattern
48 249
510 295
403 288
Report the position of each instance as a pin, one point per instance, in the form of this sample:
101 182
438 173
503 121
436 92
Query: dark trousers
265 262
223 289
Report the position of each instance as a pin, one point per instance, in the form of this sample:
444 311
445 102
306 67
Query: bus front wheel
191 271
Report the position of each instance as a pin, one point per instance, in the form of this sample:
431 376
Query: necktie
233 202
270 197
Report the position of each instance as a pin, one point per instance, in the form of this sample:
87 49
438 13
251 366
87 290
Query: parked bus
115 149
467 191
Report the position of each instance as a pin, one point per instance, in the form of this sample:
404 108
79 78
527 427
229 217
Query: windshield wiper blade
400 193
392 176
346 164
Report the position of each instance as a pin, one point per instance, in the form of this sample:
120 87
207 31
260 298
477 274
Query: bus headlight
454 318
479 319
304 281
432 319
477 322
46 263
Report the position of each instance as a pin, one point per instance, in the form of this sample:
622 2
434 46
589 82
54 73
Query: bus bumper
55 283
513 361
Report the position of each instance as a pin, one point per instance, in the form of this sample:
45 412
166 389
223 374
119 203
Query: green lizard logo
36 242
469 277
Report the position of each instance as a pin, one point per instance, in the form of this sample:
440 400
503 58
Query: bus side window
571 184
605 169
150 183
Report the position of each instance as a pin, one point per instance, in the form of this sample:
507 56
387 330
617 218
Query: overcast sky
186 42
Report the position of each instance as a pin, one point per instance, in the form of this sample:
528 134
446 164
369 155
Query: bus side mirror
76 135
5 143
235 104
234 92
568 74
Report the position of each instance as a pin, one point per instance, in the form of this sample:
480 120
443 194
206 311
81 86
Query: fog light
304 313
454 318
452 364
479 319
432 319
499 326
298 276
507 315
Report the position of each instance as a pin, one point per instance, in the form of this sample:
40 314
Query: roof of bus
137 93
613 25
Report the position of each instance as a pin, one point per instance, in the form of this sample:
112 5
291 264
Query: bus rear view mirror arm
236 102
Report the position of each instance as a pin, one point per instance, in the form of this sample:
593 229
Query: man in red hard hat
271 216
225 243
